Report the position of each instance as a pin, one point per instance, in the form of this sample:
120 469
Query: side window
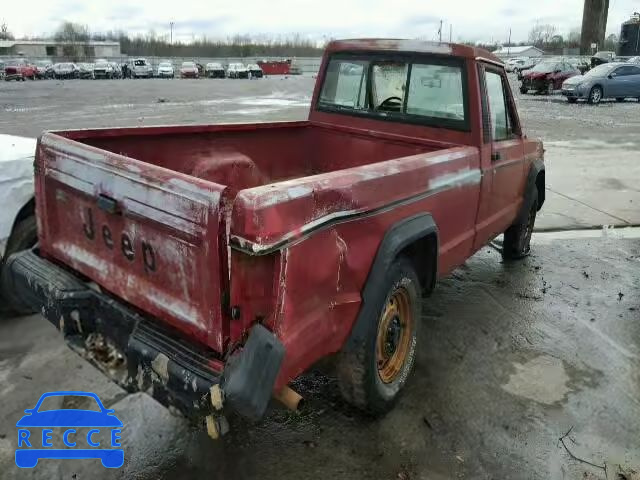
500 127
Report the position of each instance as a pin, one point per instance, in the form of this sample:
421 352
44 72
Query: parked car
17 215
634 60
255 70
237 70
608 80
142 68
85 70
193 245
513 64
44 69
165 70
19 69
117 69
602 57
103 69
214 70
189 70
2 64
65 71
200 69
547 76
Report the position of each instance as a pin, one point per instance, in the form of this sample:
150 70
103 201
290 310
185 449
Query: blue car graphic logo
36 433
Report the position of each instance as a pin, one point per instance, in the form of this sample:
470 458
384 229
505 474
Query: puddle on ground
542 379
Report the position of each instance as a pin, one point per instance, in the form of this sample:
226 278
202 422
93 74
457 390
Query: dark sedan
547 76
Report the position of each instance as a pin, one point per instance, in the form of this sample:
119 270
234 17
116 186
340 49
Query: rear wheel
372 375
517 238
595 95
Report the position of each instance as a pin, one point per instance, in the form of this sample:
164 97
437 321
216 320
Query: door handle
496 156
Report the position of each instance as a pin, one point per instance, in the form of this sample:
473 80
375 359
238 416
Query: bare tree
5 34
542 34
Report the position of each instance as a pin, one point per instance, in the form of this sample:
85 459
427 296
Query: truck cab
216 263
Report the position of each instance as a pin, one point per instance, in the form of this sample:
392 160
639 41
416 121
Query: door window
497 106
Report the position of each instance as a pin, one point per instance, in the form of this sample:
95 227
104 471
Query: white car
214 70
165 70
237 70
142 68
18 230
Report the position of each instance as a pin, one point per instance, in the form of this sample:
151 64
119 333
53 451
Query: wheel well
540 186
423 255
26 211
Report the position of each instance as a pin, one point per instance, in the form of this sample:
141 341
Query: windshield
427 90
188 64
165 65
14 63
140 63
544 67
600 70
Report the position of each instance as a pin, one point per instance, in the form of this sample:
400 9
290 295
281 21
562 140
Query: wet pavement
511 356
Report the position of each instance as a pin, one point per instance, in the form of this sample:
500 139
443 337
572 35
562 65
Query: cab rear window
428 90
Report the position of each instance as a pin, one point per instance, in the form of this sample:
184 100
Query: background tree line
152 44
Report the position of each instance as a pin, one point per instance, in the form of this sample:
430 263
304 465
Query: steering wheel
392 103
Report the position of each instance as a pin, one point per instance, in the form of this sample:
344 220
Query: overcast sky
472 20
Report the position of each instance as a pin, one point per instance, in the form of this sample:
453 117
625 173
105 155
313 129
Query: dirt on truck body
217 263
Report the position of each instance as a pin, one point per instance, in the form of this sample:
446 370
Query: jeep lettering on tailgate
125 243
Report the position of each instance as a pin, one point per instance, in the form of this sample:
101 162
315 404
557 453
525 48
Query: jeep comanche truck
211 265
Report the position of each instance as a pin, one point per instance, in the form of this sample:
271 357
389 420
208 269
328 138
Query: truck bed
151 214
247 156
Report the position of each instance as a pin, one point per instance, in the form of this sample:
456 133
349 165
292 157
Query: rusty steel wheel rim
394 335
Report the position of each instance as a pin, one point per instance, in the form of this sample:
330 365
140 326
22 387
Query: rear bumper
141 354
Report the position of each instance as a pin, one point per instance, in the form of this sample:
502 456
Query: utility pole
440 31
509 45
171 30
450 33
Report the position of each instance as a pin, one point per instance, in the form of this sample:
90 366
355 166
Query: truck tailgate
148 235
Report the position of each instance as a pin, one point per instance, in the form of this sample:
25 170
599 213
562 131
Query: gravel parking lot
512 356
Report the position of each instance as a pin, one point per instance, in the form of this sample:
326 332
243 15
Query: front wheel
595 95
372 374
523 89
619 99
572 100
517 238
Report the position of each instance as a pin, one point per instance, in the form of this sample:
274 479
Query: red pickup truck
212 265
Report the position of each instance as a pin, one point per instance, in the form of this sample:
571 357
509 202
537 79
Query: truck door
502 153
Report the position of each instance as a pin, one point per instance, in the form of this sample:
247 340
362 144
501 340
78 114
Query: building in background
528 51
55 49
630 37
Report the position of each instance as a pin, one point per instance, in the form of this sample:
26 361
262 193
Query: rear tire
517 238
23 237
550 88
371 375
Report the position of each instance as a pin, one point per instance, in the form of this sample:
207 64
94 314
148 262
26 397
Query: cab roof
417 46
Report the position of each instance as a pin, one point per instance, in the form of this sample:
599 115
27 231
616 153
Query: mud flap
249 375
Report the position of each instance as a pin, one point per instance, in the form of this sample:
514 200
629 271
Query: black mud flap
250 374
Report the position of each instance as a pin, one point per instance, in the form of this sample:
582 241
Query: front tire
595 95
572 100
517 238
550 87
523 89
371 375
